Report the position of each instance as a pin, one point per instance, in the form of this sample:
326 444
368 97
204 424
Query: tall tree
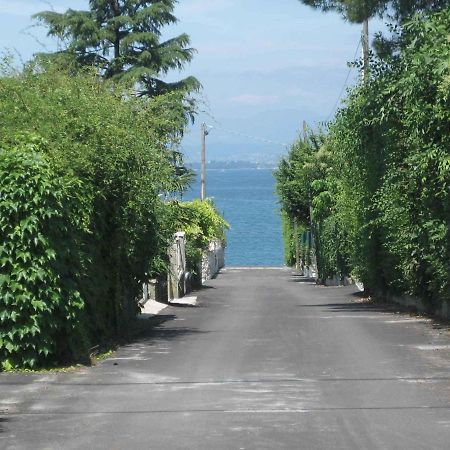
359 10
396 12
123 39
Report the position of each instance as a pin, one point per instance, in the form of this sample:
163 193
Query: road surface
267 360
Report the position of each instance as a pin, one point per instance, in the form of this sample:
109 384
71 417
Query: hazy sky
265 66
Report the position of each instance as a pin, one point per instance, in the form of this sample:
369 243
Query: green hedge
396 132
379 184
202 223
92 220
41 309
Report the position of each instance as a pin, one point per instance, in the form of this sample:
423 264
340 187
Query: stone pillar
177 267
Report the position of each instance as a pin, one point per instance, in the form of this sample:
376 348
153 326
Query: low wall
340 281
310 272
442 311
213 260
154 289
182 283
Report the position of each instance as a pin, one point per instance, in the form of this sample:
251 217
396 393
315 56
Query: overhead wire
249 136
345 83
283 144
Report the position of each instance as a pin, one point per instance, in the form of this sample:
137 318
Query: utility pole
365 50
204 133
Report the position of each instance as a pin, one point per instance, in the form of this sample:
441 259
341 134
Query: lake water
247 199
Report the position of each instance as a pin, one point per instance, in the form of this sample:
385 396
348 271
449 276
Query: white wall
213 260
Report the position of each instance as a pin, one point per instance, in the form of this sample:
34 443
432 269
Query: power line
345 83
248 136
283 144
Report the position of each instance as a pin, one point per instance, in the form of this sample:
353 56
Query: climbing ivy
88 219
41 310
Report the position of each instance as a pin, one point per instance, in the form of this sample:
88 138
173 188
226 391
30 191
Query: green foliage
294 181
41 310
355 138
202 224
395 131
358 10
414 201
395 12
122 38
289 238
305 188
112 157
381 204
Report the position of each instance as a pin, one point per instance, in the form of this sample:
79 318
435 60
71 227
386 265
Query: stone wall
340 281
179 282
176 282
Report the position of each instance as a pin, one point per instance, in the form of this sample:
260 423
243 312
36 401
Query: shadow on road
2 420
147 327
172 333
364 306
159 328
357 307
301 279
176 304
155 320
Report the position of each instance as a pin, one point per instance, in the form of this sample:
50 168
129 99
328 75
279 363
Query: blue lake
247 199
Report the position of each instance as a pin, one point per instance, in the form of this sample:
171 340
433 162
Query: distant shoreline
240 168
232 166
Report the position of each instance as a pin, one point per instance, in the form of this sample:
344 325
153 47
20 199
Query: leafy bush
289 238
202 223
380 200
41 310
120 154
306 192
414 201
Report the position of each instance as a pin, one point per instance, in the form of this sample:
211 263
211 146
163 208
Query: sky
265 66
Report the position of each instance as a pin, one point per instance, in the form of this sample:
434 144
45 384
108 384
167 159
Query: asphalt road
267 360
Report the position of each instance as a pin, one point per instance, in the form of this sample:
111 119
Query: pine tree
395 10
123 39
